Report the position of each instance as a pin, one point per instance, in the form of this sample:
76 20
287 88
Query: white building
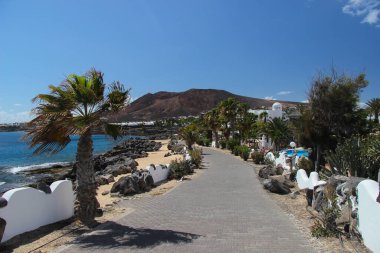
275 112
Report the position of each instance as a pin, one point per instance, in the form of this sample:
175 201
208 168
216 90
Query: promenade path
223 210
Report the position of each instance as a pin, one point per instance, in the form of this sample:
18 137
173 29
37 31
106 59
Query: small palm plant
77 107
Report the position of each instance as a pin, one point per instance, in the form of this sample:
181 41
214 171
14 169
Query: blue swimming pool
300 153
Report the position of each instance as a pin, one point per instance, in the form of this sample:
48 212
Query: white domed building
275 112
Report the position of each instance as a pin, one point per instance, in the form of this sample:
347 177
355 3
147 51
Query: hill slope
188 103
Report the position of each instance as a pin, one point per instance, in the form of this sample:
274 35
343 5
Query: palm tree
279 132
189 134
227 114
211 119
374 107
77 107
245 125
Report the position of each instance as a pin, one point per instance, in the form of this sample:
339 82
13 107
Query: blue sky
258 48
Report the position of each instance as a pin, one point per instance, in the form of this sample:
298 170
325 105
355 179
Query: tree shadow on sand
117 235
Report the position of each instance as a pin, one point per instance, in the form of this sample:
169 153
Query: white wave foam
1 183
15 170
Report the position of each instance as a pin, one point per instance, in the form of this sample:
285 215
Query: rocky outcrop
139 181
270 170
275 186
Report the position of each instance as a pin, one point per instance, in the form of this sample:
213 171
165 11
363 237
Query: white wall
369 214
305 182
159 173
29 209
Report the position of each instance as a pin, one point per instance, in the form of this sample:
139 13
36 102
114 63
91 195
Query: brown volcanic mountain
188 103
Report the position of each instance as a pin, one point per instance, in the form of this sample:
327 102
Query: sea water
16 156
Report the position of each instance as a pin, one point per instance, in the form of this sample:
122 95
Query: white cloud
283 93
11 117
368 9
17 104
305 101
270 98
372 17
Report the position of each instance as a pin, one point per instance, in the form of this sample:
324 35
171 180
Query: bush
179 168
232 143
223 144
196 156
244 152
204 142
306 164
327 226
360 156
236 150
207 142
257 157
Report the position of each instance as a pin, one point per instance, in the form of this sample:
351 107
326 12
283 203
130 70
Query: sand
153 158
50 237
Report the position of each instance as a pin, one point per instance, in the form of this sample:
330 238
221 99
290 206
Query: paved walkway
223 210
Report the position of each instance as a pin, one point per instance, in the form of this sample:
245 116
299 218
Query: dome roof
277 106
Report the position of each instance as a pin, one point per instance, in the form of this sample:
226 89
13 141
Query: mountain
188 103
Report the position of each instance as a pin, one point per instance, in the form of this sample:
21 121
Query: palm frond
113 130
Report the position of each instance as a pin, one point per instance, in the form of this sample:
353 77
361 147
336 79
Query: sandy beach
47 238
153 158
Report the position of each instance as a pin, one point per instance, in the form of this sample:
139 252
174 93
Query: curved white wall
29 209
305 182
369 214
158 172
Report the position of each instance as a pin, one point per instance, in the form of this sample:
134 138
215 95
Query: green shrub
196 156
244 152
232 143
306 164
223 144
207 142
236 150
179 168
257 157
327 226
358 155
204 142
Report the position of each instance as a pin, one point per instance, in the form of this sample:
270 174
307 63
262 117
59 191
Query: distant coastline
13 127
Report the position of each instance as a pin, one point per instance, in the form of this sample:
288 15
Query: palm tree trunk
216 139
318 157
86 184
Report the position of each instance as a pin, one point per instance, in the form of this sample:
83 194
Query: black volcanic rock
188 103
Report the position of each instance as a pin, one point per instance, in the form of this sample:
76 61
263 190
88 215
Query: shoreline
50 237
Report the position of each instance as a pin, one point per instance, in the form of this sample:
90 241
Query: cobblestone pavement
223 210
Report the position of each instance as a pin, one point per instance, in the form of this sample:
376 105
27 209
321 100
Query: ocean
16 156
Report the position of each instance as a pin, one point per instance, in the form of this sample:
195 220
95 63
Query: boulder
100 180
279 169
3 223
283 180
131 163
3 202
43 187
275 186
109 178
267 171
126 186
